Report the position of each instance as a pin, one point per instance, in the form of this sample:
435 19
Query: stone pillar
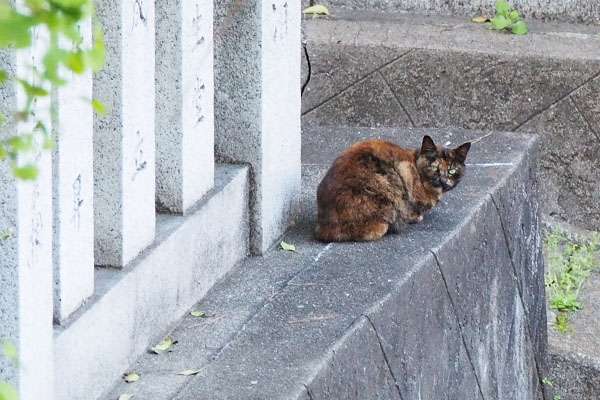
26 243
257 104
73 190
124 213
184 103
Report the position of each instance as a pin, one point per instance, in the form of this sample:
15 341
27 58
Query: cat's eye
452 171
434 168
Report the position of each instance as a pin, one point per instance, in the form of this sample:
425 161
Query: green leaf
198 314
15 28
288 247
98 107
94 58
129 378
189 372
3 76
8 392
75 62
28 172
514 15
9 349
499 23
21 143
502 8
163 346
125 396
33 90
519 28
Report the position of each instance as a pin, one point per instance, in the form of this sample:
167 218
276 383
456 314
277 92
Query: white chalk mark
323 251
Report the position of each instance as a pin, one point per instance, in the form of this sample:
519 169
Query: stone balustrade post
73 186
124 145
184 103
257 106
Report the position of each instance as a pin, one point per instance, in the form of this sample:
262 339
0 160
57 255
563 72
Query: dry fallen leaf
480 20
316 10
163 346
288 247
125 396
189 372
198 314
131 378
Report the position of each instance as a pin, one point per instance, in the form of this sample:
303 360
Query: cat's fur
376 187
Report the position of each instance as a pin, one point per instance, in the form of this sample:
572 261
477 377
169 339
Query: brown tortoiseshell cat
376 187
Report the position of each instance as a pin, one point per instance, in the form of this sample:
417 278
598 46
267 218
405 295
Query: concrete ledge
587 11
132 308
444 302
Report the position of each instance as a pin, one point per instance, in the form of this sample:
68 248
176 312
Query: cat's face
442 168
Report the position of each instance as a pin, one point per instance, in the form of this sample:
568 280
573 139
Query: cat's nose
446 185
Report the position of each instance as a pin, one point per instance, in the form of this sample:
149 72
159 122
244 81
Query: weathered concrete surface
130 307
440 302
587 11
436 72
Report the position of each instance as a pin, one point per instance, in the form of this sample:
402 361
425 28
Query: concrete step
574 357
451 308
583 11
134 307
410 70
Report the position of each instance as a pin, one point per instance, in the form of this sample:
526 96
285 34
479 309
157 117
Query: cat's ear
461 152
428 147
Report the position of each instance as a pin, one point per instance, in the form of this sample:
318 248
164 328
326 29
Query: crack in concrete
350 86
535 114
308 392
590 127
460 327
397 99
520 291
385 357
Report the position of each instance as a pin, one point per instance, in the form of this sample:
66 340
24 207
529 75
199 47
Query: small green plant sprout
547 381
507 19
570 262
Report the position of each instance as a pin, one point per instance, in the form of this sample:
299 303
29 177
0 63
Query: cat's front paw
415 219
